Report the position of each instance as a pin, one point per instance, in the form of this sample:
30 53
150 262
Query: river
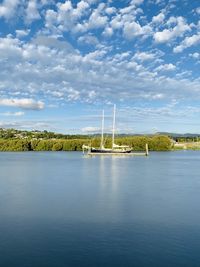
59 209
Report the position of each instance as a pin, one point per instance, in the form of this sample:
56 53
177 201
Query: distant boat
115 149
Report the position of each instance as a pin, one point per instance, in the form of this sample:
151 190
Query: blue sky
62 62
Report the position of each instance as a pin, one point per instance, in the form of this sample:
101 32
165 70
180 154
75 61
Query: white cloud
13 114
81 7
126 20
90 129
31 125
134 29
110 10
10 48
154 96
198 10
67 18
97 54
46 2
32 12
66 6
73 95
55 71
195 55
137 2
108 32
121 56
83 18
24 103
157 2
158 96
166 67
116 22
97 20
50 18
144 56
91 2
88 39
22 33
187 42
169 34
8 8
159 18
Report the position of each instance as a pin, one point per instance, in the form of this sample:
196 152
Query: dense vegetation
156 143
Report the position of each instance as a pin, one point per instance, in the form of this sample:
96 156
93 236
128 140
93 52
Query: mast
102 130
113 129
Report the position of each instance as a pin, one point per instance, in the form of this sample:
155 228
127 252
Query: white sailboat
115 149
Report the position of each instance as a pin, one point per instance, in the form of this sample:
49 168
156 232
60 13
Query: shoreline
137 143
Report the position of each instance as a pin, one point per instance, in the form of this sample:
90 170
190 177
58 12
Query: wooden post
147 150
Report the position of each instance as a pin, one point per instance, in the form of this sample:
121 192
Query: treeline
156 143
186 139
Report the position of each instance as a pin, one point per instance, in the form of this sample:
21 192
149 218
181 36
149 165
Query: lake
58 209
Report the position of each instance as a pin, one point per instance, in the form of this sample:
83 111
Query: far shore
18 140
186 146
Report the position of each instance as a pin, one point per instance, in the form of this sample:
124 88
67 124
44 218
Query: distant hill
35 134
176 135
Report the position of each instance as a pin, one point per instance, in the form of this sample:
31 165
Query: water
59 209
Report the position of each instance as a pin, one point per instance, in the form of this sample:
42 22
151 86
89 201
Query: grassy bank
156 143
187 146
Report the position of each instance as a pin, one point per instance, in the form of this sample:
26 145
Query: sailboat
115 149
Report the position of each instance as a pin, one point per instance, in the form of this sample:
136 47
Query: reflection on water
60 209
109 174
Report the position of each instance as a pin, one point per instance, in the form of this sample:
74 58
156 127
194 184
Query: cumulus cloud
187 42
195 55
8 8
159 18
24 103
110 10
108 31
50 18
134 29
55 71
22 33
97 20
198 10
137 2
169 34
10 49
88 39
144 56
67 17
32 12
166 67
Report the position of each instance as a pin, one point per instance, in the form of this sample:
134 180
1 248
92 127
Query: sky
63 62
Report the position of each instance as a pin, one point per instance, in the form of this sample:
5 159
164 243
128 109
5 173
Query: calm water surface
59 209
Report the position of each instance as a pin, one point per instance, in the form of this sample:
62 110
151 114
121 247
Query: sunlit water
58 209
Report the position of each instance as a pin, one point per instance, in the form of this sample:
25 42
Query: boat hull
109 151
